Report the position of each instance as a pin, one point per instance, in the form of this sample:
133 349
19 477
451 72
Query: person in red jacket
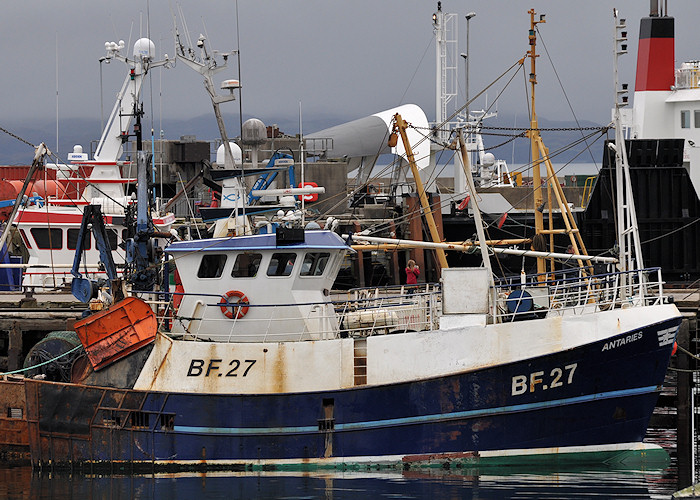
412 273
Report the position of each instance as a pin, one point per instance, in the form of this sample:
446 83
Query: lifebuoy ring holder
240 306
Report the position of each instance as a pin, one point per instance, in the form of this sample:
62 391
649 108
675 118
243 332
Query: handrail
379 310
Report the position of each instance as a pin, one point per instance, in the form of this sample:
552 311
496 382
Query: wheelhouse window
211 266
685 118
697 118
112 236
281 264
314 264
246 265
72 239
48 239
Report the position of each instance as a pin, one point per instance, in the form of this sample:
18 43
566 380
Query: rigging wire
551 155
427 137
430 42
566 97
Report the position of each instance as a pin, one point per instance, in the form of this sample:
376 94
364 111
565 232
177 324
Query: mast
628 238
540 155
115 132
445 29
110 147
477 211
533 133
400 125
207 64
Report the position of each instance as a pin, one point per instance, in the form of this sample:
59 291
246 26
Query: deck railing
386 310
574 291
355 313
688 78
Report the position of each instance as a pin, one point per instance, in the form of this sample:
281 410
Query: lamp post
466 64
102 111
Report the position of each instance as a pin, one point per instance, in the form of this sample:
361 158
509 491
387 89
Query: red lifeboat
43 188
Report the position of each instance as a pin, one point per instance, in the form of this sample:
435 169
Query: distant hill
84 131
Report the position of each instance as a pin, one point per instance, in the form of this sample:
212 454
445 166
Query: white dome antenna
144 49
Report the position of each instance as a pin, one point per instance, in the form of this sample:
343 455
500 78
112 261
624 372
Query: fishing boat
260 365
49 225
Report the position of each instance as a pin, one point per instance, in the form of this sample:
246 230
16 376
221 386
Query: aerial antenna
153 141
206 33
57 93
208 64
238 56
301 159
189 50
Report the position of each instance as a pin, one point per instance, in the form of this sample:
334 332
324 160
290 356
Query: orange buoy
240 305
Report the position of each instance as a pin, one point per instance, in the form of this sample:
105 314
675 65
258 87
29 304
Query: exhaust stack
655 58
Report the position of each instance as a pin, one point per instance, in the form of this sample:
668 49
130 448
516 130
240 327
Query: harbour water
21 483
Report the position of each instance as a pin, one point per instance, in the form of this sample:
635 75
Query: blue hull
599 394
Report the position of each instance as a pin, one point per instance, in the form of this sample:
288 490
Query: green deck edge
647 459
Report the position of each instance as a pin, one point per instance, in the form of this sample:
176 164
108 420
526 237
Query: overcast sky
345 59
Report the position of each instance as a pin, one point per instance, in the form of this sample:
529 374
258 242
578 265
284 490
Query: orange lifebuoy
240 305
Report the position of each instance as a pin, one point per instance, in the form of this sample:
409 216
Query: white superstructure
666 99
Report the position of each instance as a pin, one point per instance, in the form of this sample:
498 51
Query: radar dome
488 159
235 151
254 132
77 154
144 48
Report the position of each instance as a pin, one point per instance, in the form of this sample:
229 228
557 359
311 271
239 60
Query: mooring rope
44 363
682 370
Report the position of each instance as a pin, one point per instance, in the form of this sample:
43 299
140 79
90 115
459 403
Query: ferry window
697 118
246 265
281 264
72 238
314 264
48 239
212 266
112 238
685 118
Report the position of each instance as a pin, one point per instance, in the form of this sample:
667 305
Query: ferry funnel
655 58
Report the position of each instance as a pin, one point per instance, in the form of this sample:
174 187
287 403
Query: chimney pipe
654 8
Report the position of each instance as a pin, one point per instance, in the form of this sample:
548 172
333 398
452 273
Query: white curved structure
364 139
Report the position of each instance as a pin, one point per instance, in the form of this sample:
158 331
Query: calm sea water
21 483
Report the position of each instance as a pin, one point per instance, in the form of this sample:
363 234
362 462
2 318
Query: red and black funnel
655 58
